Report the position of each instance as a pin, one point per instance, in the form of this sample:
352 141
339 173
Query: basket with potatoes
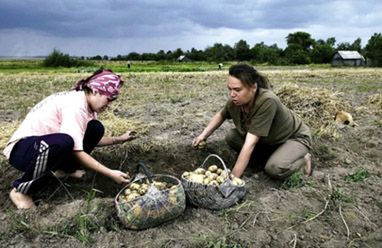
211 186
149 200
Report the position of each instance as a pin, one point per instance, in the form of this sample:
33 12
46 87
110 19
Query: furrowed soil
339 206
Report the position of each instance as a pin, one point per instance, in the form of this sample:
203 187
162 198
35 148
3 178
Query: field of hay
339 206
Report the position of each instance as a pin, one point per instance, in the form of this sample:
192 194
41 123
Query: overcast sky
112 27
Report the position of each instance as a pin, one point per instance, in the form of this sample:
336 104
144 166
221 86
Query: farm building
348 58
182 58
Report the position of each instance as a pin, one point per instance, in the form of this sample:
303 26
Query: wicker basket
210 196
154 207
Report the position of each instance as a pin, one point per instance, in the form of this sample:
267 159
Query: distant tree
343 46
323 51
133 56
218 53
148 56
373 50
97 57
178 52
58 59
229 52
170 55
299 47
295 54
331 41
119 57
242 51
262 53
356 45
346 46
196 55
161 55
302 39
105 57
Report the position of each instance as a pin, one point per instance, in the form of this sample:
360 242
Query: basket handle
226 188
216 156
146 171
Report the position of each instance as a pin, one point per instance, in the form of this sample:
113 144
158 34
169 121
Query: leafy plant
294 181
339 196
379 204
359 175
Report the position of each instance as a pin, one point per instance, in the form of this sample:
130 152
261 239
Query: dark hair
249 76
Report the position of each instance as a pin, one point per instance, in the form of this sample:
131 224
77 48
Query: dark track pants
39 156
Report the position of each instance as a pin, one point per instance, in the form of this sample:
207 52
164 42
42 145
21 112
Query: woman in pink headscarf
59 133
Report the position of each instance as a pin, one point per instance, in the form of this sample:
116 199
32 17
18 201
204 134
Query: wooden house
348 58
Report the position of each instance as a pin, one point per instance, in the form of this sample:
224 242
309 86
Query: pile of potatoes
136 189
212 176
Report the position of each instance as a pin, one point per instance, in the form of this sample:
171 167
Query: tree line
301 49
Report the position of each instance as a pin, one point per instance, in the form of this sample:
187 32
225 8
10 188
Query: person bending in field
267 135
58 135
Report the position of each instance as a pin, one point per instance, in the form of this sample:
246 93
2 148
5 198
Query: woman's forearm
90 163
245 155
216 121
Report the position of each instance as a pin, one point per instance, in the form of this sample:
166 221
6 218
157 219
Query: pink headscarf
106 83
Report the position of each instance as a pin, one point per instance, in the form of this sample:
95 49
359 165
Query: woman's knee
95 127
66 142
277 169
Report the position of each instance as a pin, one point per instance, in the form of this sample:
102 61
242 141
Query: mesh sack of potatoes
150 200
212 187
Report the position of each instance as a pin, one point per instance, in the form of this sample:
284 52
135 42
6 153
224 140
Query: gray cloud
95 26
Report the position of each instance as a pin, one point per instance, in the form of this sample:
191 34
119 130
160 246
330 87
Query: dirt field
339 206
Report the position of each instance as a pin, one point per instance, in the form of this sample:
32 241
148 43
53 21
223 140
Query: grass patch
338 196
296 180
358 176
367 87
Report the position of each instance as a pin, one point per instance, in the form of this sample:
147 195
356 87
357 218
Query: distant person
267 134
128 64
58 135
220 66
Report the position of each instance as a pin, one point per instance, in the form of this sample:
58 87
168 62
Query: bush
57 59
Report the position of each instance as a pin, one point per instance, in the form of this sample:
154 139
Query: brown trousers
278 161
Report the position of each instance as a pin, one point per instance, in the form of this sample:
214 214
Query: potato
132 196
224 174
127 191
220 179
172 198
200 171
238 181
196 178
214 183
159 185
202 144
145 186
142 190
134 186
137 210
213 168
173 188
186 174
121 198
206 180
213 176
